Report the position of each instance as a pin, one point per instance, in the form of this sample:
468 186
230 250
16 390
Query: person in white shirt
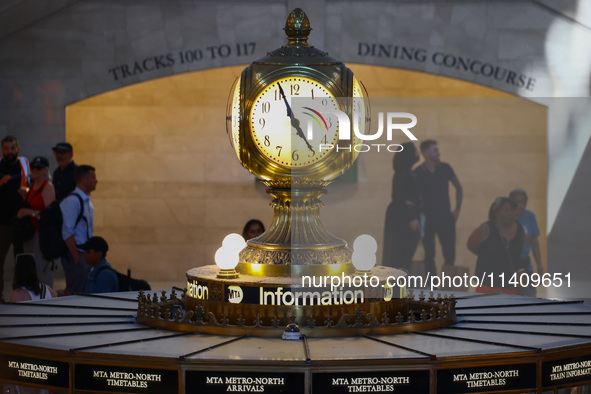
25 284
76 232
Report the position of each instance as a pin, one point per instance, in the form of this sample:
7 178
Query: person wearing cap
41 193
101 278
14 176
63 175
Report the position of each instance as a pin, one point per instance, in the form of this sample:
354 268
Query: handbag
23 228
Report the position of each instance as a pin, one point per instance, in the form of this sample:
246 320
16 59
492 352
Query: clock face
233 117
292 124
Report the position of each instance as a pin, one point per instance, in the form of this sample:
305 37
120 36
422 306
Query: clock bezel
236 88
254 80
257 132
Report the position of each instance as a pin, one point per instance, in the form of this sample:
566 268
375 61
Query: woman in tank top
498 244
25 284
41 193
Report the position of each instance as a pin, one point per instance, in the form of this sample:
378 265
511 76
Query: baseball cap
39 161
65 146
95 243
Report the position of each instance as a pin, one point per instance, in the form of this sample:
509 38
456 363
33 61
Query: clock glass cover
233 117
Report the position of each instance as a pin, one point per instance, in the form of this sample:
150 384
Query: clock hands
289 113
295 122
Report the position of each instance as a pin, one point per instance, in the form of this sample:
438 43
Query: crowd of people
421 210
26 193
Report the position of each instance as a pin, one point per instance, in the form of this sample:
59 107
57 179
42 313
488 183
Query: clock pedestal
296 236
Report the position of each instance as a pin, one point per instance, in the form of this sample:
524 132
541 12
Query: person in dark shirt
498 244
402 228
14 174
434 178
63 176
101 278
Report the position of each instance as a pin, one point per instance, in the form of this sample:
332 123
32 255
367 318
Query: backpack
50 223
126 282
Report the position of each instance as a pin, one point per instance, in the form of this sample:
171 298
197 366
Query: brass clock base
340 256
296 235
278 263
263 306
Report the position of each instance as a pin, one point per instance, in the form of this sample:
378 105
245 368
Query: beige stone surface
170 186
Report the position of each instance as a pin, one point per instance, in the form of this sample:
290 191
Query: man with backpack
63 175
102 278
78 219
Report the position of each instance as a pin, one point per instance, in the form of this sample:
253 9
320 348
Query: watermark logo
316 116
388 123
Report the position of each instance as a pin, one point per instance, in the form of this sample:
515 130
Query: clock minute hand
295 122
289 113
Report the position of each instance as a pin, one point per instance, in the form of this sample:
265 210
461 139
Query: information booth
499 343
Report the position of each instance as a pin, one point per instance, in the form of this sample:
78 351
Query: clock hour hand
295 122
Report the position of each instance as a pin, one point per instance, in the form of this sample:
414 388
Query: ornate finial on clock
297 27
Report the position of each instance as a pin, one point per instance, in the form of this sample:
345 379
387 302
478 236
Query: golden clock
290 118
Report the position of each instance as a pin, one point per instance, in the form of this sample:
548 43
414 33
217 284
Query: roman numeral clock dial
291 132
